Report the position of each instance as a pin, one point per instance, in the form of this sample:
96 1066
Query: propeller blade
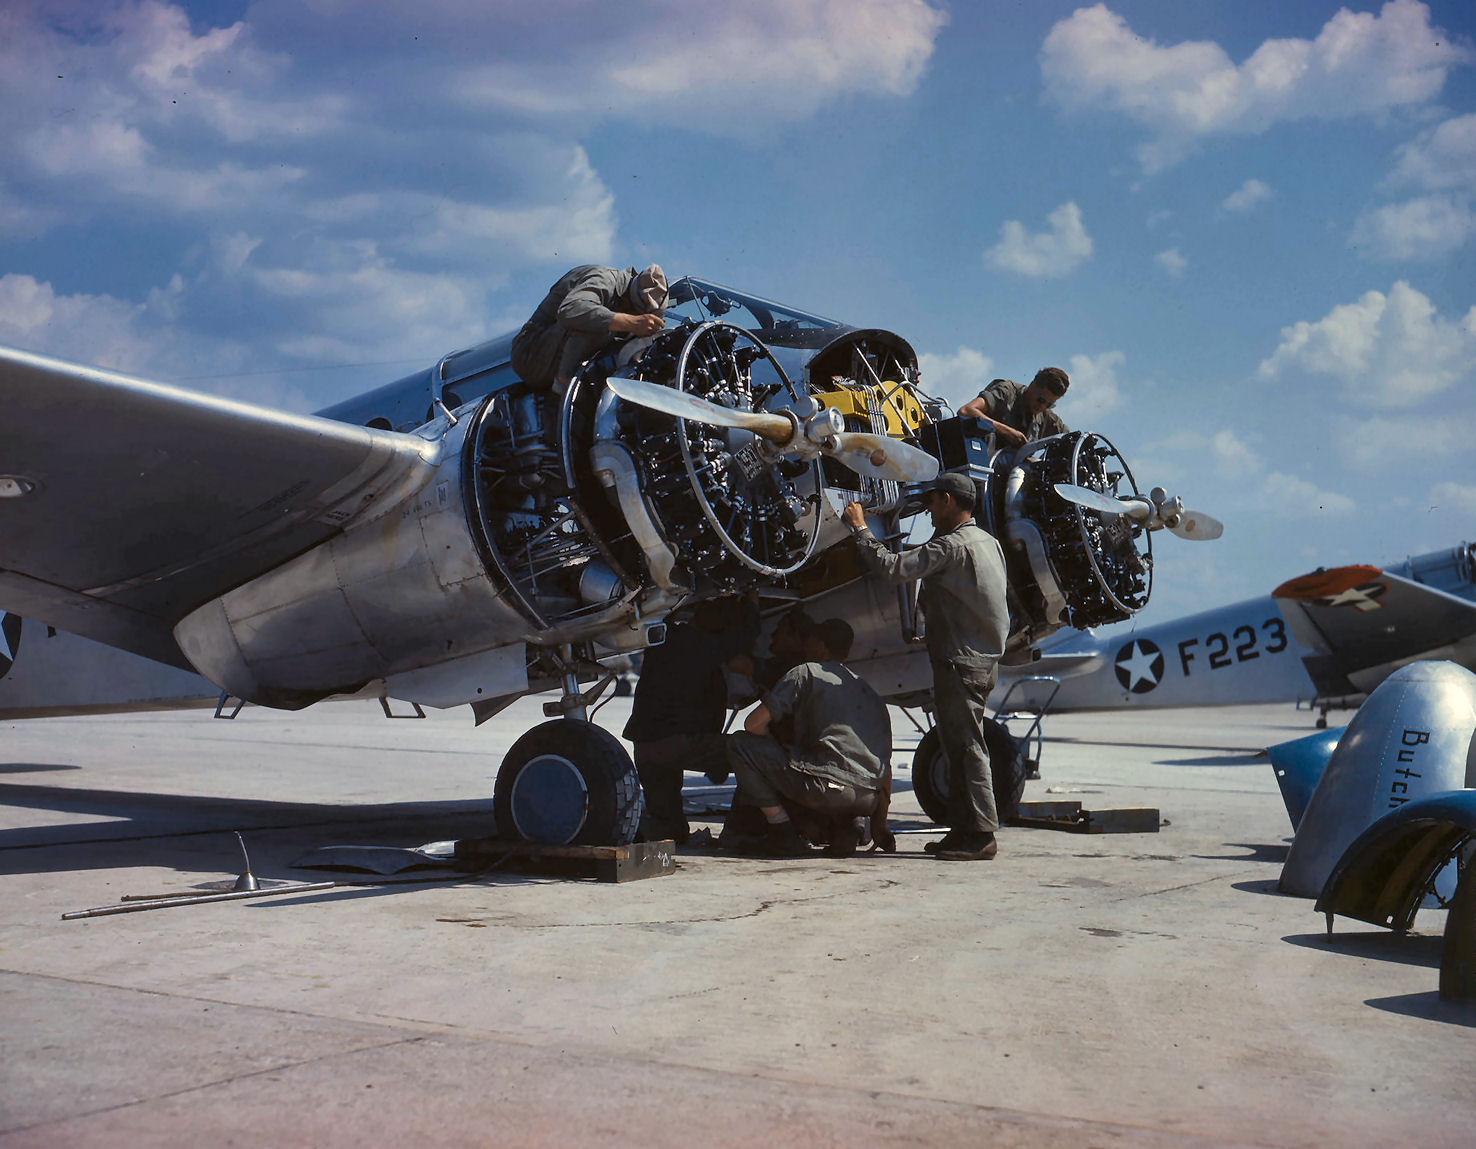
1198 526
882 457
875 456
776 428
1095 500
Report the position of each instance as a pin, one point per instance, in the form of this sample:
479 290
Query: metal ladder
1033 737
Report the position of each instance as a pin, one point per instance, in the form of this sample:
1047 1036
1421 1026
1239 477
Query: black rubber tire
574 754
930 773
930 777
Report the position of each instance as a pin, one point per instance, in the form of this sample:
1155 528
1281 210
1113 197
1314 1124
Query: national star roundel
1139 666
10 637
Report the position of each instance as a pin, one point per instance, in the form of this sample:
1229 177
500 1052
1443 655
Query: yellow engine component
898 407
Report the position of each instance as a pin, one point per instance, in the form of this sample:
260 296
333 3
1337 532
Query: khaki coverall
968 622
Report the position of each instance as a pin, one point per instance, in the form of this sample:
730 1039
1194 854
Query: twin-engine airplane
1325 638
457 538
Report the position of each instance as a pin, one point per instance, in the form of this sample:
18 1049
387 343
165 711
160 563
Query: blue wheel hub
549 800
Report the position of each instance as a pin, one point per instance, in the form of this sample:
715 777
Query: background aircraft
1327 637
471 540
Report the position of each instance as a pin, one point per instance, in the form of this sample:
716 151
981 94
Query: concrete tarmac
1135 989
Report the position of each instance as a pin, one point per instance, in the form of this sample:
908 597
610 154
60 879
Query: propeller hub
825 426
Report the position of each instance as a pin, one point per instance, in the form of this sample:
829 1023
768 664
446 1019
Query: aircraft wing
1359 618
127 504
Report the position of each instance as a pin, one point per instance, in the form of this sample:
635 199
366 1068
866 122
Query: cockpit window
698 300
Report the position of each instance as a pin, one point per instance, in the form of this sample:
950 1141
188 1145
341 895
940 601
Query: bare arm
978 408
758 720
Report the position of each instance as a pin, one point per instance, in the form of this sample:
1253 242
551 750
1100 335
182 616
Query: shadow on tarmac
1259 852
1429 1006
1247 758
138 822
1385 945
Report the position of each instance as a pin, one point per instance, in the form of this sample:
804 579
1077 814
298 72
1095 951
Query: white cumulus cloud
1440 167
1247 195
744 63
1297 496
1399 440
956 378
1358 64
1387 350
1425 228
1095 389
1172 261
1049 254
1458 496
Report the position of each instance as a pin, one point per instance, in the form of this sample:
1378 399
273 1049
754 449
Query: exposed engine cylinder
730 513
1086 568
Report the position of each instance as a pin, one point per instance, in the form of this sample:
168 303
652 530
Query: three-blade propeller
871 455
1155 510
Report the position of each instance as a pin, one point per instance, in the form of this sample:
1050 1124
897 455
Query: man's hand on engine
623 324
854 515
1007 435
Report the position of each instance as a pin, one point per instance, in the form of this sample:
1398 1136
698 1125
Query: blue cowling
1298 765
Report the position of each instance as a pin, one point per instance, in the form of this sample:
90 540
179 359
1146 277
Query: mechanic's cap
961 487
648 290
836 634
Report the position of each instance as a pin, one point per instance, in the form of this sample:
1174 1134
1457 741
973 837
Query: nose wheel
568 783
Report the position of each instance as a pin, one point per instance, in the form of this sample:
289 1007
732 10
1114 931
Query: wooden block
603 863
1050 809
1128 820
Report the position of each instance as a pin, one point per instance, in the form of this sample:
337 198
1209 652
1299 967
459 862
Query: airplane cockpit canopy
699 300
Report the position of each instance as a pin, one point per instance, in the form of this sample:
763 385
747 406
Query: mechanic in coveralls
587 309
963 599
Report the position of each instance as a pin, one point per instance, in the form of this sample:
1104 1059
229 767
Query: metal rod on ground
195 900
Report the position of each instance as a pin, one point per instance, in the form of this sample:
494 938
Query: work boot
844 837
782 840
950 840
969 848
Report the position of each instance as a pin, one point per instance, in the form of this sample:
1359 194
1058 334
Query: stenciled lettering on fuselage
1409 743
1223 649
10 637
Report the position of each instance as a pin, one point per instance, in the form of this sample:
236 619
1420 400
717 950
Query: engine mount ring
706 330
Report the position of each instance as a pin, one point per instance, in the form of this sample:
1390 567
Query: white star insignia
1356 597
1139 665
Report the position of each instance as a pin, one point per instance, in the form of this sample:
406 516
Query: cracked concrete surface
1113 990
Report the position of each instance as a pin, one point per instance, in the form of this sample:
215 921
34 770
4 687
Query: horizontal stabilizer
1364 617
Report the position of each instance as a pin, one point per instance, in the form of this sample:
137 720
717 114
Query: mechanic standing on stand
588 308
963 599
1022 414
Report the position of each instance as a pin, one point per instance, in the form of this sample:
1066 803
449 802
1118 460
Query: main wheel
1006 766
930 777
568 782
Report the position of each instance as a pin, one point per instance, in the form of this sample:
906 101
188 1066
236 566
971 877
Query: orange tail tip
1320 584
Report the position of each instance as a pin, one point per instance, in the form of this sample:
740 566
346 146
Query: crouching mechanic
841 752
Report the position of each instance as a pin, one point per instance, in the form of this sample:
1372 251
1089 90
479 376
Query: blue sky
1247 230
